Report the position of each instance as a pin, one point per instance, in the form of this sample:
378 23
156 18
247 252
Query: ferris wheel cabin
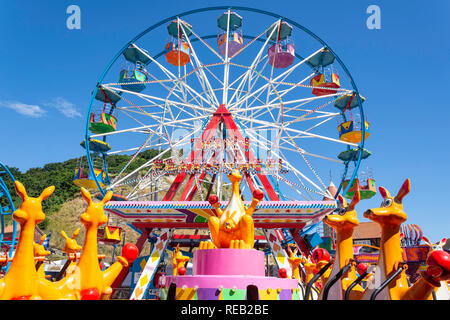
133 78
87 179
323 58
102 123
351 131
366 191
230 22
178 50
101 119
328 78
282 53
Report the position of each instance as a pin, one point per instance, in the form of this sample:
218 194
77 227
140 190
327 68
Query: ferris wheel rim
255 10
13 208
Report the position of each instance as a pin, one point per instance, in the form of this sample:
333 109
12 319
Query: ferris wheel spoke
285 103
203 41
199 64
255 62
294 109
251 85
200 96
305 118
317 190
285 141
141 113
274 125
261 111
226 71
236 80
295 187
283 76
181 141
292 87
280 155
144 184
167 101
328 118
146 127
210 99
170 90
169 74
153 145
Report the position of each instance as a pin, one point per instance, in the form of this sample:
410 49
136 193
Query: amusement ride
232 132
261 95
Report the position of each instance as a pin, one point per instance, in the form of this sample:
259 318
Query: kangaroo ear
342 200
86 195
404 190
47 193
75 233
41 241
427 242
288 250
64 235
384 193
355 199
20 190
107 197
443 242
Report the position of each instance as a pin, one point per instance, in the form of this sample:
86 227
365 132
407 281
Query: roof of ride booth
195 214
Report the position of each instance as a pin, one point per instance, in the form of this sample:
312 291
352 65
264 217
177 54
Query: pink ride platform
225 274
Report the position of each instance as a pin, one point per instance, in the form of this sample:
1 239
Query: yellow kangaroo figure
39 256
310 267
344 221
87 278
71 248
22 280
294 262
234 227
178 260
390 216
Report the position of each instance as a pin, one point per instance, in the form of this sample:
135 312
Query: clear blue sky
402 69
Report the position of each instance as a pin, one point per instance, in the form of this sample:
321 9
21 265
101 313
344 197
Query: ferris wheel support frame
306 30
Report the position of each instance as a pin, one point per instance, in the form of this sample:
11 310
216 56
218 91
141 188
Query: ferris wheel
203 92
7 208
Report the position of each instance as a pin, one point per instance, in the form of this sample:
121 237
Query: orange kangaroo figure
344 222
87 278
22 280
71 248
294 262
39 255
234 227
390 216
442 292
310 267
178 260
